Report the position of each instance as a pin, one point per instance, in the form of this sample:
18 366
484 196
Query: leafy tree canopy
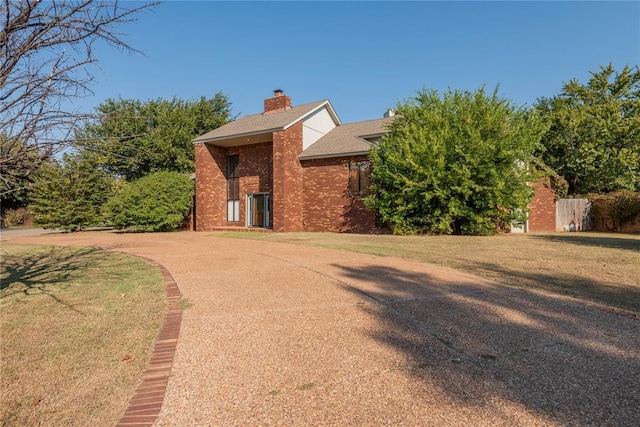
594 135
69 194
132 138
157 202
454 164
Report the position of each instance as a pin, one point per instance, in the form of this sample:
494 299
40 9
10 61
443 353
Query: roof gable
258 124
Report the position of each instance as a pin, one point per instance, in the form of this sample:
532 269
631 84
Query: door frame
267 210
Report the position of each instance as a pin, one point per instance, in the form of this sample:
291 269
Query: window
233 189
359 178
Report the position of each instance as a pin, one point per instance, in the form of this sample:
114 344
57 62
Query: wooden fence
573 215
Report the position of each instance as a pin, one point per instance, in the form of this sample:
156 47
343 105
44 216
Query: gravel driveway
290 335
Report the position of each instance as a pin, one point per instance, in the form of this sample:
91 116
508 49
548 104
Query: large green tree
132 138
69 194
455 163
594 135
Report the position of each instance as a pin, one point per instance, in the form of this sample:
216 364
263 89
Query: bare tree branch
46 59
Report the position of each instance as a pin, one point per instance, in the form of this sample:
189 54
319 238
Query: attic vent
390 112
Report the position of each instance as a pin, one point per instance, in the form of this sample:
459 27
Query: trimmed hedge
157 202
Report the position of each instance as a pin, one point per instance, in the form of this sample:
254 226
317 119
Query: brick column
210 187
287 179
542 209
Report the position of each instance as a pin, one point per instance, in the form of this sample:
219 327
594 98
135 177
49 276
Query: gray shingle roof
260 123
347 139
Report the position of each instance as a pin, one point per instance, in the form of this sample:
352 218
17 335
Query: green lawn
599 267
77 327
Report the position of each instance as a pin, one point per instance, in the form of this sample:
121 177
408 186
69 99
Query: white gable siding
316 126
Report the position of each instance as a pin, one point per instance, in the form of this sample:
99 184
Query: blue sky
364 56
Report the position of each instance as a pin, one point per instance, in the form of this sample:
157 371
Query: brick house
293 169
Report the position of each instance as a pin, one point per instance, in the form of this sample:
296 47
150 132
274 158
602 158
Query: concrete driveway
294 335
7 233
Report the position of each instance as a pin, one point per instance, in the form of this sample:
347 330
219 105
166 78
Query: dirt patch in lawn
77 326
598 267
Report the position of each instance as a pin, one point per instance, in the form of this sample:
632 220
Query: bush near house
454 164
157 202
616 211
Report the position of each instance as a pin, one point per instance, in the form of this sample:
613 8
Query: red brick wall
542 209
211 201
211 196
327 204
311 196
255 174
287 179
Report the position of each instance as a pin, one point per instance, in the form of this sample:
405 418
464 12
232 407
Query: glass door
258 212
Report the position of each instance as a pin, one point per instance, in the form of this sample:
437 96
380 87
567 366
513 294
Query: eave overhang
335 155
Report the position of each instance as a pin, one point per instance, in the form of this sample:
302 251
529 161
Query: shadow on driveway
572 363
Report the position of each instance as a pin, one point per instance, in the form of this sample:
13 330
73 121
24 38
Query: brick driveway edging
144 406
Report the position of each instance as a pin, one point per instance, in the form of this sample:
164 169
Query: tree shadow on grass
612 242
484 344
43 272
621 296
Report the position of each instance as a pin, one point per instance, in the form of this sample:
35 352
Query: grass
77 327
598 267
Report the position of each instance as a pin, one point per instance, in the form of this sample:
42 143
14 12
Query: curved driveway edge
290 335
145 405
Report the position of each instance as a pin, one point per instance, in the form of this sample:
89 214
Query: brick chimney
279 102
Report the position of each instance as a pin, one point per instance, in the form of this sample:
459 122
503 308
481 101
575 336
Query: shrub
454 164
69 194
157 202
613 211
13 217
